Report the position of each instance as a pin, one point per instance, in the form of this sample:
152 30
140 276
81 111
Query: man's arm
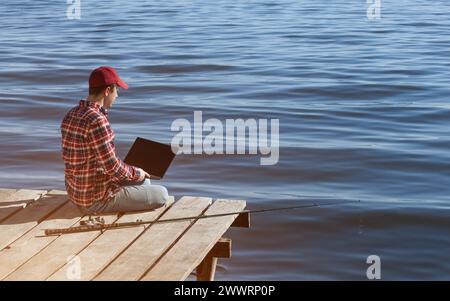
100 139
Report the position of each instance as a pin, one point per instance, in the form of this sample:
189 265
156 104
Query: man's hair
97 90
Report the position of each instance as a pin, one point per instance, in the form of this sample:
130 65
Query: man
96 180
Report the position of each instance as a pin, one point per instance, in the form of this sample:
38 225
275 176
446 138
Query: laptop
153 157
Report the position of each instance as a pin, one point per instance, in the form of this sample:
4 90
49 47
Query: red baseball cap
104 76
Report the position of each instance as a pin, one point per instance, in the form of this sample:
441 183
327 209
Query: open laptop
153 157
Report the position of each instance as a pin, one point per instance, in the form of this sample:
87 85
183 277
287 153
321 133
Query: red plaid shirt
92 170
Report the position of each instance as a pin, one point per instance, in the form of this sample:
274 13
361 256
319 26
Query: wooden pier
161 251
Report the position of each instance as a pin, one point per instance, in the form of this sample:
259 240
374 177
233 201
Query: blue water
362 104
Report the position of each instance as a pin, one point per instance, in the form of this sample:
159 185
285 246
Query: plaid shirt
92 170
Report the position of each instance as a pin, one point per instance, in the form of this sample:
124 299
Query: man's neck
99 101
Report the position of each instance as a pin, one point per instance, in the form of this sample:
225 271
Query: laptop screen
153 157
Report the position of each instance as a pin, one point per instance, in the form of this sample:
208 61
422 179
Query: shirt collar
94 105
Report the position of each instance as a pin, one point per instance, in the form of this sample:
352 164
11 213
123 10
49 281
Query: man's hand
143 174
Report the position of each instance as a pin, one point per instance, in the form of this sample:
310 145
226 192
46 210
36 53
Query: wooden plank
149 247
109 245
5 193
242 221
57 192
222 248
21 195
6 209
33 242
24 220
195 244
12 201
207 268
61 251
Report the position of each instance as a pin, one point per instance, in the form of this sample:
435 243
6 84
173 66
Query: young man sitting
96 180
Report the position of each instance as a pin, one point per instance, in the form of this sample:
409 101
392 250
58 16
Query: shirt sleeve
101 140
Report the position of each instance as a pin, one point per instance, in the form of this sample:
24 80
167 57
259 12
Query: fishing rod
99 224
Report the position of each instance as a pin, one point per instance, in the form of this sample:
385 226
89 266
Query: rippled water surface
363 110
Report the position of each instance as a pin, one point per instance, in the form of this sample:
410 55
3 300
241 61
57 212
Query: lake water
362 106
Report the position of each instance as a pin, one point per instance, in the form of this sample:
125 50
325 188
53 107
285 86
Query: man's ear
107 91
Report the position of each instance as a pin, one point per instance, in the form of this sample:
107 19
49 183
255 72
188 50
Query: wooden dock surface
161 251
